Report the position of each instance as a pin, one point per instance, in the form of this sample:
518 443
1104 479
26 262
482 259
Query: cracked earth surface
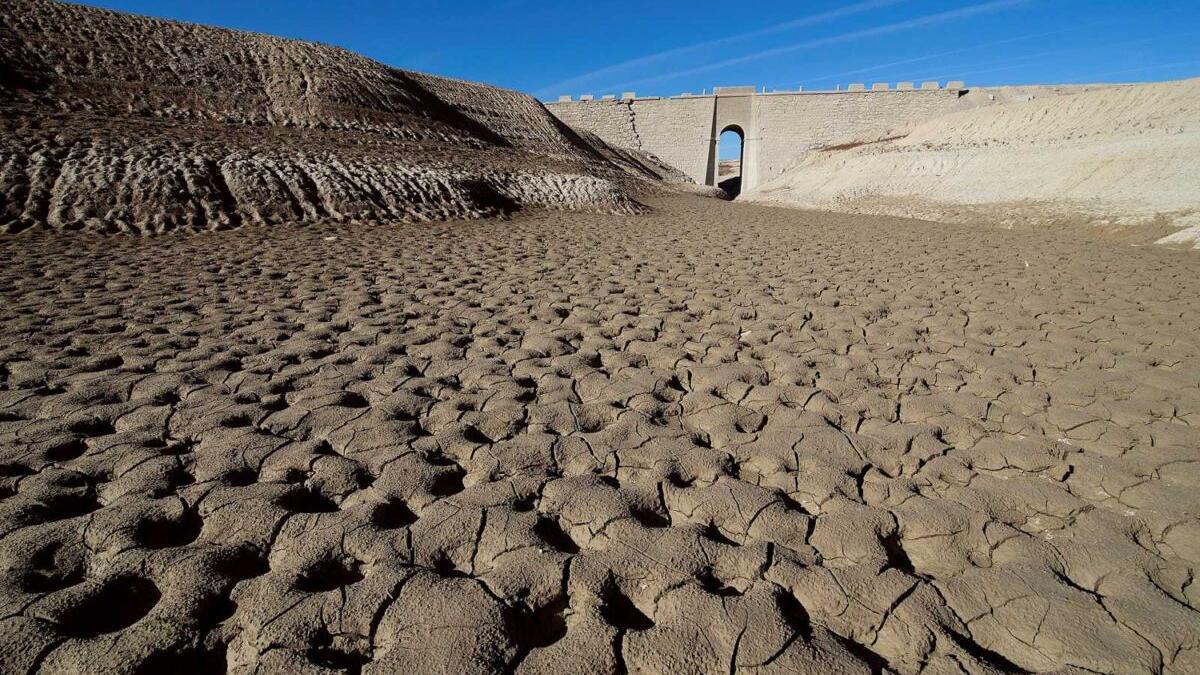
716 438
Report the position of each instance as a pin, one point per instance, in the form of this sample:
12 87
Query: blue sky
665 47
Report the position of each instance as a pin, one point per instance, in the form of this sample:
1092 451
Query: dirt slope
1115 156
115 122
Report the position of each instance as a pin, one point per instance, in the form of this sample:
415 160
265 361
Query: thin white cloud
930 57
899 26
1124 71
1073 28
590 77
1022 61
998 66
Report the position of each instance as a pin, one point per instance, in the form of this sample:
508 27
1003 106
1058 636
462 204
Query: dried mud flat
717 438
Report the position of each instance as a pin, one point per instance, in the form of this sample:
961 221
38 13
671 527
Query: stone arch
732 185
734 108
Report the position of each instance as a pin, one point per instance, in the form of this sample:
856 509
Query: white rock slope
1113 156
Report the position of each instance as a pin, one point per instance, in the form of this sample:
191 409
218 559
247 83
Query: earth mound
111 122
1111 156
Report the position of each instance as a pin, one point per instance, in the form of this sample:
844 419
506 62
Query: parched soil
716 438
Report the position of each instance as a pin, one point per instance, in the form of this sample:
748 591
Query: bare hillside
113 122
1112 156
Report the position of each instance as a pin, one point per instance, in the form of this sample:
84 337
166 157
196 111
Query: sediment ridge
112 122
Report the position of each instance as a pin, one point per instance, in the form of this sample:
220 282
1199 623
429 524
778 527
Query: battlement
852 88
776 126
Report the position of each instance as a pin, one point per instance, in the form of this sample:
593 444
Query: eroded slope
114 122
1112 156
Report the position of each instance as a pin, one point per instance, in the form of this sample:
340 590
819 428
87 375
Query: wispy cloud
1022 61
938 55
1072 28
624 66
899 26
1156 66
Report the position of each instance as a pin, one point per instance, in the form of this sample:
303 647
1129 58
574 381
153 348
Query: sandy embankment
1115 157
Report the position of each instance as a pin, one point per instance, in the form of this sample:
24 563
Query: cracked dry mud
716 438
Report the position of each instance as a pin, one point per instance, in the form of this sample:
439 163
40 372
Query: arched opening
729 160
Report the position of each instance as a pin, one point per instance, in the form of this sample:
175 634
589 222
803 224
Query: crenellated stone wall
684 131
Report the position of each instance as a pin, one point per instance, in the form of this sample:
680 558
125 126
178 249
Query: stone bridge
776 127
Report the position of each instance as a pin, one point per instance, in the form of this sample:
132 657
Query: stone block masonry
684 131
